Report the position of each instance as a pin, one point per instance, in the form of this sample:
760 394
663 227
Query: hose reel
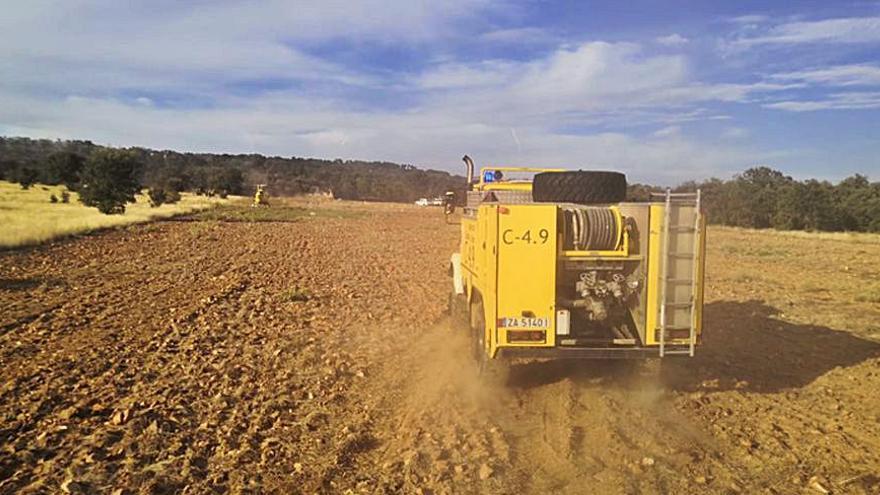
591 228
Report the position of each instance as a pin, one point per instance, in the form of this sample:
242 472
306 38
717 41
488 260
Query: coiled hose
591 229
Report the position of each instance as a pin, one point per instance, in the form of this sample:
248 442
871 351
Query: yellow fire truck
554 264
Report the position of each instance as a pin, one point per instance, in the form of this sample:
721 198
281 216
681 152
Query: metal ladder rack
671 199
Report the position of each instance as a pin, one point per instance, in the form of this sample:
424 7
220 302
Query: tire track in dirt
611 428
555 427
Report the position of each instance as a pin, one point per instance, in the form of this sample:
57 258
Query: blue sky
665 91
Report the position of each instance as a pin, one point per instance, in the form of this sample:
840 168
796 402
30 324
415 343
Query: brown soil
314 356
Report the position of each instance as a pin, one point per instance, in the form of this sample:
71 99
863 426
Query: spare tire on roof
582 187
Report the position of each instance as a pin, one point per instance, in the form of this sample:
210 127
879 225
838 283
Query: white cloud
837 101
749 19
99 70
839 75
285 124
672 130
587 82
842 30
523 35
596 75
735 133
454 75
95 45
673 39
591 84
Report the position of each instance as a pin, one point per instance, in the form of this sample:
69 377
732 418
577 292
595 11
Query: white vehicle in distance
422 202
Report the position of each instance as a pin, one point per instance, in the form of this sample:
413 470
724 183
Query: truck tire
493 372
458 311
581 187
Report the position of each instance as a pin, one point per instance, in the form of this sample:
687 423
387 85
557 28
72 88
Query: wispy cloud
229 76
665 132
461 107
585 81
735 133
749 19
673 39
842 30
521 35
837 101
489 73
839 75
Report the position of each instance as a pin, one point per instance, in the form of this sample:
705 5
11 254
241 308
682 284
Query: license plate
524 322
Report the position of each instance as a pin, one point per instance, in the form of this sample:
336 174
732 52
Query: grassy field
820 278
281 210
854 237
28 217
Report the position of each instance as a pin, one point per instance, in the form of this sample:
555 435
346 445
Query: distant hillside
349 179
758 198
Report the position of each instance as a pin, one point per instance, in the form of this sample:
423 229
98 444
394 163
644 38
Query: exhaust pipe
470 170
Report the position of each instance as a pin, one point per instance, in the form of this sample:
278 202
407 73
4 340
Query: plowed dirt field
314 356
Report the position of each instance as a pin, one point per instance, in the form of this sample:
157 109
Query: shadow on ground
744 347
747 347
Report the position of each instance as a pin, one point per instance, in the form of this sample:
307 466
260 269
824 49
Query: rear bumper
584 352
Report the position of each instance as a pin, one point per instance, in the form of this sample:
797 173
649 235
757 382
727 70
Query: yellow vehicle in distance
261 197
558 265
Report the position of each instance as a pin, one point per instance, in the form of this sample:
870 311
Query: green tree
25 176
640 193
7 169
162 195
110 179
755 194
807 206
858 202
225 180
63 167
791 207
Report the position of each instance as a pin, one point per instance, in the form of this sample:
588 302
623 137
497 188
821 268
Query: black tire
582 187
476 321
458 312
493 371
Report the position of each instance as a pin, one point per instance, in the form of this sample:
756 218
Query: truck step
676 352
675 328
687 256
680 304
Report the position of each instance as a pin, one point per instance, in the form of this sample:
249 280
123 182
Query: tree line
763 198
166 173
759 198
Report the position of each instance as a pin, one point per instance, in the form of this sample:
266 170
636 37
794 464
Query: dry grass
869 294
856 237
28 217
822 279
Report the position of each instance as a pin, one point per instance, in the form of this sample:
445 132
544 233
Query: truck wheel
582 187
458 314
477 326
492 371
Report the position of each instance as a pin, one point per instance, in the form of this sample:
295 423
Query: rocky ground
312 355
